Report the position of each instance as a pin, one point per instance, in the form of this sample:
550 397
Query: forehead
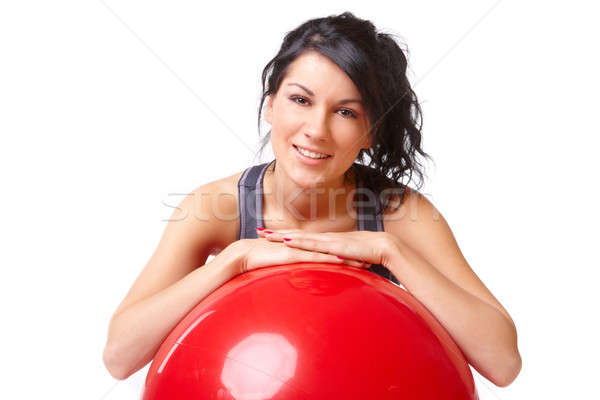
321 75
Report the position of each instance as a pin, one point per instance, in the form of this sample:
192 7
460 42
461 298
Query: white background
111 111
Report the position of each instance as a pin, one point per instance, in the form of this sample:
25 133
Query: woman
336 93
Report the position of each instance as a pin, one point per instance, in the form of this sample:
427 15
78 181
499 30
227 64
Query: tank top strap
369 218
250 192
250 195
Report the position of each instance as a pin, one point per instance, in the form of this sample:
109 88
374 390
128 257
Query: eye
294 98
349 113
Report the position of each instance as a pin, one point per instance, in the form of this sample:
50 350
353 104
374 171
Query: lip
313 150
307 160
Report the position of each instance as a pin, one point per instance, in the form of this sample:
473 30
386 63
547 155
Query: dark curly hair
377 67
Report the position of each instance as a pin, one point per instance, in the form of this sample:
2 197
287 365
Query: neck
327 200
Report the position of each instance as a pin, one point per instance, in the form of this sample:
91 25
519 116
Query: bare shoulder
216 203
203 223
409 206
420 225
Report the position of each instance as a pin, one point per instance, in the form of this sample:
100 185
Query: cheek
279 139
352 145
284 126
288 119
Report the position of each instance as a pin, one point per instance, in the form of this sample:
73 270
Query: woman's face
317 107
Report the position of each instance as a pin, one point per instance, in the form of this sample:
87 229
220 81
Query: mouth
310 154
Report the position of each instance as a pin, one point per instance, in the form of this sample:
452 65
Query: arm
170 284
130 347
486 336
419 248
425 257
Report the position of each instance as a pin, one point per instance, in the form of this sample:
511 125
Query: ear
269 109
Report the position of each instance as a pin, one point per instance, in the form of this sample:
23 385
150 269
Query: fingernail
268 231
287 239
260 229
341 258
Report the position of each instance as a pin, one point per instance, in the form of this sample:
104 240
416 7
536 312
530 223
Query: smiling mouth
310 154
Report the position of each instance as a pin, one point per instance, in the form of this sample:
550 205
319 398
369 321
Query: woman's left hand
358 248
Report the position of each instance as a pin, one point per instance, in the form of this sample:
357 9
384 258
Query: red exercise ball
309 331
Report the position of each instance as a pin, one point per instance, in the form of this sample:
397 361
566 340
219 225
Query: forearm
136 333
487 337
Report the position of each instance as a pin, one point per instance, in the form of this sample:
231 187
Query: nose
318 126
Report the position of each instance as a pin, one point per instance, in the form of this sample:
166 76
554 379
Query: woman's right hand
257 253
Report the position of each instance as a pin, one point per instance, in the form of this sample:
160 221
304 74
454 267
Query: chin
304 179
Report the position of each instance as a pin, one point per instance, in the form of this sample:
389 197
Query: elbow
509 373
507 370
111 362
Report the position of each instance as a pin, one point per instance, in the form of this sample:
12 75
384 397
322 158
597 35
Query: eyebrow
311 93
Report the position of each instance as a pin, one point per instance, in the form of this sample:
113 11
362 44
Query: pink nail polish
341 258
260 229
268 231
287 239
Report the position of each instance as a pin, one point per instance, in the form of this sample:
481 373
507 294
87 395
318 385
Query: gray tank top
250 190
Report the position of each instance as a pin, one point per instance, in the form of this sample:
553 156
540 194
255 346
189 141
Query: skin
417 245
318 122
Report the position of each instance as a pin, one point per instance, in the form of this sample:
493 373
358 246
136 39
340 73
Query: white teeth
310 153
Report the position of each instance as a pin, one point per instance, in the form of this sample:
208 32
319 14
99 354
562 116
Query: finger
280 235
286 230
273 237
322 249
300 255
329 243
316 243
262 232
356 263
267 234
278 230
325 243
311 256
